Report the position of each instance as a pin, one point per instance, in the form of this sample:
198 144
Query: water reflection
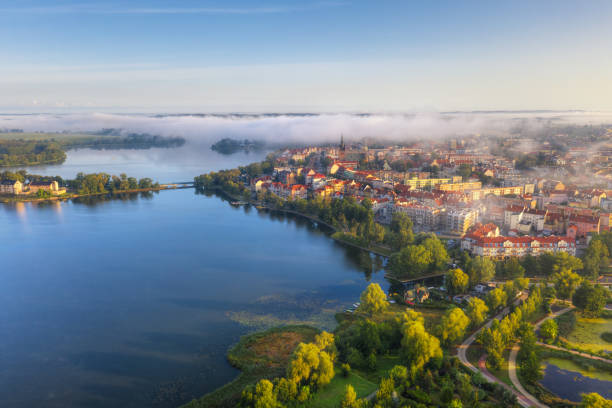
571 384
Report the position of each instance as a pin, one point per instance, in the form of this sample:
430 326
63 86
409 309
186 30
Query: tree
401 228
456 281
566 283
465 171
438 252
549 330
260 396
529 368
350 398
476 311
496 298
453 325
512 268
310 365
411 261
480 269
384 395
418 346
595 258
590 299
373 299
563 261
594 400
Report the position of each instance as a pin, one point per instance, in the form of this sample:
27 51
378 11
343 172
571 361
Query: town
497 253
459 189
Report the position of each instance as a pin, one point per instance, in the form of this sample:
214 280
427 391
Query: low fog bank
306 128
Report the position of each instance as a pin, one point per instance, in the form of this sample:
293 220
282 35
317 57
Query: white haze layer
301 129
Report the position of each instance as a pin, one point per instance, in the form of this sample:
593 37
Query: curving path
525 400
514 353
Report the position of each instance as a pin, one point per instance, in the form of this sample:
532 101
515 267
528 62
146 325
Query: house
416 295
508 246
11 187
50 186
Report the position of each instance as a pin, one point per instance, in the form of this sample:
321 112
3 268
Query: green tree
384 395
401 231
529 368
480 269
456 281
512 268
438 252
595 259
549 330
260 396
566 283
453 326
418 346
590 299
476 311
496 298
411 261
594 400
350 398
310 365
373 299
564 261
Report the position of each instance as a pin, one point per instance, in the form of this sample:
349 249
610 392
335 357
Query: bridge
178 184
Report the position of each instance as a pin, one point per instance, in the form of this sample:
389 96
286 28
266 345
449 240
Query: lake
134 301
568 380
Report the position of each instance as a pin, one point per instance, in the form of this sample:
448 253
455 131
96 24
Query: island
18 148
230 146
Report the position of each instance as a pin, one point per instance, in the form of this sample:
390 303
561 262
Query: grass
259 355
587 334
331 395
383 365
59 137
502 373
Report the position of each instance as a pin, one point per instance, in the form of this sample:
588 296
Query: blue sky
305 55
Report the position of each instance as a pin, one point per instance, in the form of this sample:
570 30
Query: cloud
316 128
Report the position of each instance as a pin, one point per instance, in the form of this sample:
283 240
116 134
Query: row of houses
485 240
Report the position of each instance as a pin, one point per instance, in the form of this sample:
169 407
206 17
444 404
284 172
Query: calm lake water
571 384
133 302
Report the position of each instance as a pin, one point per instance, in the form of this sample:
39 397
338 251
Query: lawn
384 364
587 334
331 395
502 373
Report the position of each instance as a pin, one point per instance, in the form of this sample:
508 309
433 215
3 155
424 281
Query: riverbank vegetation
81 185
401 353
28 149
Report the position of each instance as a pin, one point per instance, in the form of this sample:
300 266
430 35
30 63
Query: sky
304 56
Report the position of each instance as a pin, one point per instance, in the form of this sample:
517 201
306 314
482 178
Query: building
505 247
424 217
470 185
11 187
50 186
497 191
458 221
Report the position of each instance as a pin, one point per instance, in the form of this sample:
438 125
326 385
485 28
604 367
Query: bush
607 336
345 369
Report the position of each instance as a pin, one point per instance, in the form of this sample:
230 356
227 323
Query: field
587 334
59 137
331 395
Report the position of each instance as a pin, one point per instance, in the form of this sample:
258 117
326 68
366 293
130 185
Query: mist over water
205 129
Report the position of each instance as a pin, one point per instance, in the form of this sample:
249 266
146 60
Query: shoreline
307 216
70 196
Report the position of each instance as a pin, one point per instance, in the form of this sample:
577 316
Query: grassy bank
259 355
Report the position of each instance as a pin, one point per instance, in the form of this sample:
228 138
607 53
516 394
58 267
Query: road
523 399
514 353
